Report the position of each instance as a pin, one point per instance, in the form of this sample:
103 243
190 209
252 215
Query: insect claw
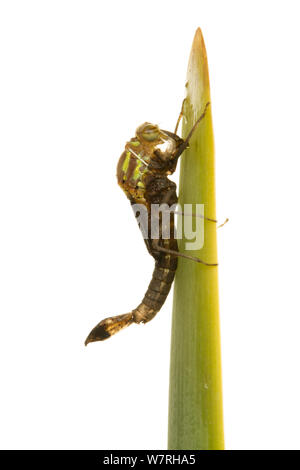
222 225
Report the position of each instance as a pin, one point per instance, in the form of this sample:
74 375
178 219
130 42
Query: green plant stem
195 396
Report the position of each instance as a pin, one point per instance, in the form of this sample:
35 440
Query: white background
77 77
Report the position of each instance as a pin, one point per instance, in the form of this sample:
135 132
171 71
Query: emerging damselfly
142 173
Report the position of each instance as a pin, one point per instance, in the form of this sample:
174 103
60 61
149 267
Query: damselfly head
148 132
163 142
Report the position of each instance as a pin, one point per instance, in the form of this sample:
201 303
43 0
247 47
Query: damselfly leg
179 117
157 247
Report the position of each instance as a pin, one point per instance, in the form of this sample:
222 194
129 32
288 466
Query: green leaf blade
195 396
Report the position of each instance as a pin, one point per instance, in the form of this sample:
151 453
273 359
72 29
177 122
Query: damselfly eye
149 132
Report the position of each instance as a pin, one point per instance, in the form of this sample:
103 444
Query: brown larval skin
142 173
